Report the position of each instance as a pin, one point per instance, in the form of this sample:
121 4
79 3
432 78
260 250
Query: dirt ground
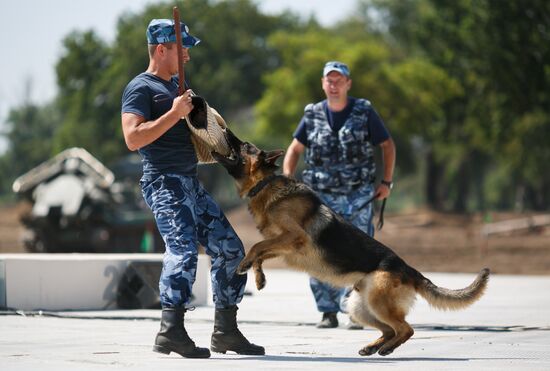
431 242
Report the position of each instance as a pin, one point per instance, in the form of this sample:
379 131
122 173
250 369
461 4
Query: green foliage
28 132
496 53
226 67
462 86
85 100
517 51
408 93
298 81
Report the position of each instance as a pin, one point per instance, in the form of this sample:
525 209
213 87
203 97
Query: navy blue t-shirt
150 96
376 129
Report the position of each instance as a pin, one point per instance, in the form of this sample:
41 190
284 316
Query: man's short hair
151 48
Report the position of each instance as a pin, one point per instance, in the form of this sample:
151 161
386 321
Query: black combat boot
330 320
172 336
226 335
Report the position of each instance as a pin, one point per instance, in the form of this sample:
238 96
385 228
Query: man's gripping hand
182 105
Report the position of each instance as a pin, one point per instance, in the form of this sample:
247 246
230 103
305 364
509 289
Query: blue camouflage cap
336 66
162 31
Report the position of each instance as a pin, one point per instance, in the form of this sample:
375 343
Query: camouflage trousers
352 208
186 216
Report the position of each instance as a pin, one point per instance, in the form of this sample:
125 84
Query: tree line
462 86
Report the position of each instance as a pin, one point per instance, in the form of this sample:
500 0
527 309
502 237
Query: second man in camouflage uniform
338 136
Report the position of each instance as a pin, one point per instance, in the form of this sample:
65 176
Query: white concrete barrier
77 281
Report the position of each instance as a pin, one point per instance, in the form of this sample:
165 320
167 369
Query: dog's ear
272 156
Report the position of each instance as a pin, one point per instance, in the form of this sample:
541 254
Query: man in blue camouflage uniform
338 136
185 213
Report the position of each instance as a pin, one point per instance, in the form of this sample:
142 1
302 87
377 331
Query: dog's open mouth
232 158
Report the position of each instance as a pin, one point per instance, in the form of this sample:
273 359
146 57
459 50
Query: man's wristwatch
388 184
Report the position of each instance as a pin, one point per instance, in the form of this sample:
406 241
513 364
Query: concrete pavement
508 329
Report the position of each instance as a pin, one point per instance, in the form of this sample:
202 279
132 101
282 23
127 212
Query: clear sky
33 31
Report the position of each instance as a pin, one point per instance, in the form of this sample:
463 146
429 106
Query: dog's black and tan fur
310 237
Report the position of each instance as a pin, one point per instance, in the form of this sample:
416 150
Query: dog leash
380 217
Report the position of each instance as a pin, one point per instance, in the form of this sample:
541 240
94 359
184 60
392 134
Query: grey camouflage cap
162 31
336 66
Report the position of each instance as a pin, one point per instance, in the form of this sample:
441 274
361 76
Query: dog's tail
446 299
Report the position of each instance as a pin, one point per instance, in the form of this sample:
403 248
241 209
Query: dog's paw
260 281
243 267
368 350
385 352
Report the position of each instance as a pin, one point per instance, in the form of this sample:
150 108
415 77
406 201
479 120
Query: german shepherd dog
310 237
